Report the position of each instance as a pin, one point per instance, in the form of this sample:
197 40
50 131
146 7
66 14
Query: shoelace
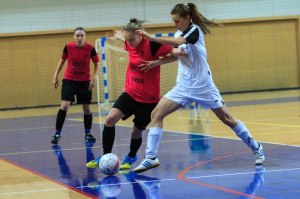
258 154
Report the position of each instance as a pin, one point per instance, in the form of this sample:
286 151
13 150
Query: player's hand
119 35
92 83
147 65
180 53
55 82
144 34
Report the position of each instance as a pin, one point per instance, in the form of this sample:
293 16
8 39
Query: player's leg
120 110
60 119
108 135
241 131
88 121
135 144
84 97
67 97
164 108
142 113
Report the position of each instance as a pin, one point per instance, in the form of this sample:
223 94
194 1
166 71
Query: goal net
114 61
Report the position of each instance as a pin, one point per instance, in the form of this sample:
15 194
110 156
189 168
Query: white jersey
194 72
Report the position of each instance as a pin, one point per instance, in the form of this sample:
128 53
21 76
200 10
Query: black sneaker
89 137
55 139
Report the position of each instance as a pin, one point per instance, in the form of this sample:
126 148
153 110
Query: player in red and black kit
77 81
142 90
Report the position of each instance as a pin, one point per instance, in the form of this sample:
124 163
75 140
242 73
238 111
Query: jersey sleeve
191 35
125 46
64 55
94 56
162 50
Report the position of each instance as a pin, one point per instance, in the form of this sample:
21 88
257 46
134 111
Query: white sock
153 140
241 131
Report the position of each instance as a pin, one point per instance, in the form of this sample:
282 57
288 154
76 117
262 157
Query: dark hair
197 18
79 28
134 25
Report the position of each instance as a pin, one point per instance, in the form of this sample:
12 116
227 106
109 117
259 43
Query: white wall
39 15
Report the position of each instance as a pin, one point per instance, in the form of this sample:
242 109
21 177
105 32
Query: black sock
134 146
60 119
108 138
88 120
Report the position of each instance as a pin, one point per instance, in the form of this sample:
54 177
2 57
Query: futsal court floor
200 157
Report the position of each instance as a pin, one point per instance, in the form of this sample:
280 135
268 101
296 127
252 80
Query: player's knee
64 108
155 116
110 121
136 134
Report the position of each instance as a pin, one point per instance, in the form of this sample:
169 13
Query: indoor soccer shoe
90 138
128 161
259 154
55 139
146 164
94 164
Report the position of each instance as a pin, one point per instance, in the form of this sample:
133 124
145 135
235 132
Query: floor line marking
181 174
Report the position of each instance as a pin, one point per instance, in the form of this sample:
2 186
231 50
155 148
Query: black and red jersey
144 86
78 68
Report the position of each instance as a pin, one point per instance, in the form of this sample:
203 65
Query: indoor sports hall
255 61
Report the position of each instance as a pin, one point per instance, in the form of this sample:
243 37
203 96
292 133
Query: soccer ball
109 164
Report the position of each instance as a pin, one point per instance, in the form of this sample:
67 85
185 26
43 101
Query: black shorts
141 111
70 89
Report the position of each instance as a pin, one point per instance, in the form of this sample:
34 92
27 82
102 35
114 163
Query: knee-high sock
241 131
88 120
135 144
153 140
60 119
108 138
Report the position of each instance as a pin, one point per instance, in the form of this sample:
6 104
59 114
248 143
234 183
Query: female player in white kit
194 84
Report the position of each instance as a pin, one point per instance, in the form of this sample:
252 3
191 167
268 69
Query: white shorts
207 99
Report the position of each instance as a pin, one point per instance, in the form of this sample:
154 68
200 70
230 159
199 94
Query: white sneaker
259 154
146 164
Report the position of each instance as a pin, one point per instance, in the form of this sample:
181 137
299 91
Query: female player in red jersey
142 90
77 81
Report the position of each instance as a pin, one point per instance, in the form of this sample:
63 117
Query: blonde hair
134 25
196 17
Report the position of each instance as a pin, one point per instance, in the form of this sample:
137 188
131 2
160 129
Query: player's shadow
138 191
199 141
140 183
258 180
86 183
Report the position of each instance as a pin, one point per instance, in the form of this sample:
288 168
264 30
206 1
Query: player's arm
119 35
147 65
59 67
167 41
171 57
94 79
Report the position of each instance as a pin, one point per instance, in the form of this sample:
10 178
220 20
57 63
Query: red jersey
78 68
144 86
